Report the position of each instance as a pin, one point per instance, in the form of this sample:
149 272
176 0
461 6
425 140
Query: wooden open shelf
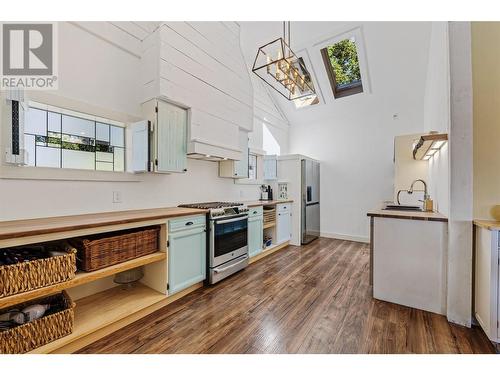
99 310
269 250
269 225
82 278
105 312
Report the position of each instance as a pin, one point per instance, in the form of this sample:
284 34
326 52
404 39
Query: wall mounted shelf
82 278
269 225
428 145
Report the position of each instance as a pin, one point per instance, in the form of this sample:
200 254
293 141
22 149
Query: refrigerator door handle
311 204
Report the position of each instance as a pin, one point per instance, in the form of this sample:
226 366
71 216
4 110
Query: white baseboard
346 237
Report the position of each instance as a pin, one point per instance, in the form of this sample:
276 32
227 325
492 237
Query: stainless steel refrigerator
310 211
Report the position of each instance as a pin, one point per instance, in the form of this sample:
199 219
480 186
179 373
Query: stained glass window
60 140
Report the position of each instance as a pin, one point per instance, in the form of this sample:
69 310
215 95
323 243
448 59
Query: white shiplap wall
265 107
99 66
199 65
267 113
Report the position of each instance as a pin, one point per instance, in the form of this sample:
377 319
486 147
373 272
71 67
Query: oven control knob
217 213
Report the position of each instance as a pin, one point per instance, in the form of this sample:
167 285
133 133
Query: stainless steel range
227 242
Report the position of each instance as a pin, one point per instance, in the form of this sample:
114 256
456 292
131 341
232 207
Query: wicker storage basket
98 252
39 332
26 276
269 216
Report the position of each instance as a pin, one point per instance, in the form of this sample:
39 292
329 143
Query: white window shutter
140 146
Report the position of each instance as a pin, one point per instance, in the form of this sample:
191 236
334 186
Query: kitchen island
408 258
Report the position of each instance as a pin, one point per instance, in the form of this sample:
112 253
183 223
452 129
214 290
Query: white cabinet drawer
283 207
255 211
187 222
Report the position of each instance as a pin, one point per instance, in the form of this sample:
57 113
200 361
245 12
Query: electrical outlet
117 197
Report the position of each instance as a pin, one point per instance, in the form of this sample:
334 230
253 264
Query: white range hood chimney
205 151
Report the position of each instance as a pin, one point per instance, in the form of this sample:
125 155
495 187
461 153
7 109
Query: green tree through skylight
344 60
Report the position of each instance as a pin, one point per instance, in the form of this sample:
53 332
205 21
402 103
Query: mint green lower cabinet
255 235
186 258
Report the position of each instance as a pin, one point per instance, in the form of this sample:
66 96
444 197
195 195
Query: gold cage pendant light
278 66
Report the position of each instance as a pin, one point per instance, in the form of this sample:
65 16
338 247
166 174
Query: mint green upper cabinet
171 138
255 234
186 252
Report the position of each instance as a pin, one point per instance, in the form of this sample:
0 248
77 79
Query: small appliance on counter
266 193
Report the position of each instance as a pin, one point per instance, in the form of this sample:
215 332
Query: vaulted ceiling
395 54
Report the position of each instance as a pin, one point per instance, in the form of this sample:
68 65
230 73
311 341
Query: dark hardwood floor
310 299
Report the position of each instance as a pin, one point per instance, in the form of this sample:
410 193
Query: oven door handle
239 218
219 270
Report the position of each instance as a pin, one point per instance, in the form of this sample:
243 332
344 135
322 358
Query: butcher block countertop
34 227
266 203
488 224
410 215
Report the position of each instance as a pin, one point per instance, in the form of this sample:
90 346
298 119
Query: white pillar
459 300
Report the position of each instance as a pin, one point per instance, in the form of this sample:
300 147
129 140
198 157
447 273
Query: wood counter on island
487 224
410 215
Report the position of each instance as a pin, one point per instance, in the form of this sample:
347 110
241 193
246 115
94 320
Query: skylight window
342 66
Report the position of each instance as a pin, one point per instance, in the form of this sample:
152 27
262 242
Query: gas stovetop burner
220 209
211 205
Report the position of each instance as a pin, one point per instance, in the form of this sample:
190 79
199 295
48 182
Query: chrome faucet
410 191
427 202
426 195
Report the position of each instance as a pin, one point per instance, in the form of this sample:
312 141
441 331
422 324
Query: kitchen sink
402 207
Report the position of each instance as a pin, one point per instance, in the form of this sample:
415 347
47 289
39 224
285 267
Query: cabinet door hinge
168 286
156 109
168 243
156 162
